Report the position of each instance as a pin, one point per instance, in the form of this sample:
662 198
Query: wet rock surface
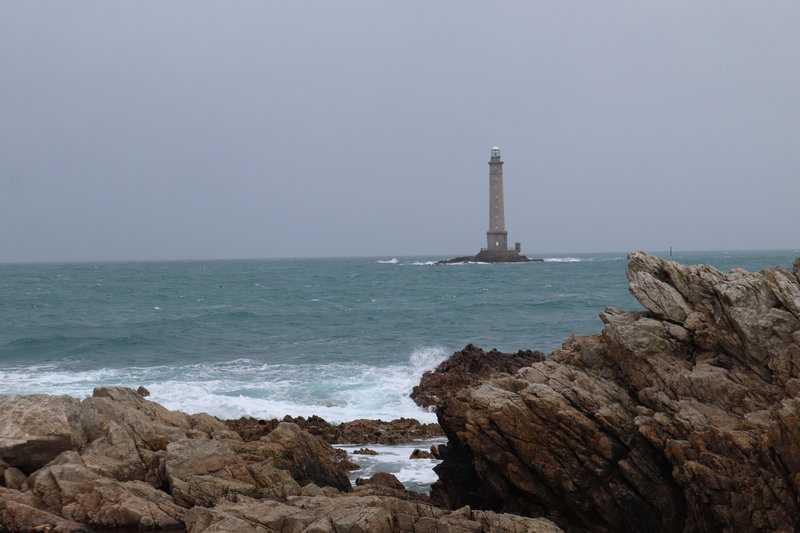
683 417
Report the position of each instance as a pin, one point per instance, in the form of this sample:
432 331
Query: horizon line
371 256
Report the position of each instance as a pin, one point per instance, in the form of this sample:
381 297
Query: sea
341 338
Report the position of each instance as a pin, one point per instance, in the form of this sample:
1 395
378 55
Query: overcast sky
193 129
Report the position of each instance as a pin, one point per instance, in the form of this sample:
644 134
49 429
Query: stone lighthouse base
491 256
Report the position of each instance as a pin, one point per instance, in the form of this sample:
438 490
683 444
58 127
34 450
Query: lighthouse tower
496 237
496 250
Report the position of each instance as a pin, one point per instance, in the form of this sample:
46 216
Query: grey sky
191 129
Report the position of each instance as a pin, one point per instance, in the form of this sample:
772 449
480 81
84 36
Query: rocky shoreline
682 417
119 461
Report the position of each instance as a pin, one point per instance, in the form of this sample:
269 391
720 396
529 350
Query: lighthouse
496 250
497 236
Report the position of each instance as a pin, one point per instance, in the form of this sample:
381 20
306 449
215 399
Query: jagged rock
435 452
383 479
77 494
116 455
384 490
21 511
128 434
36 428
135 464
421 454
365 431
276 484
364 451
201 472
679 418
467 367
305 457
311 489
346 465
361 431
13 478
375 514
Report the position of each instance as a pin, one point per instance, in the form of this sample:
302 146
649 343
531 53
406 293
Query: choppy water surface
340 338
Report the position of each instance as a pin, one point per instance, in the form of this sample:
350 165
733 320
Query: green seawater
341 338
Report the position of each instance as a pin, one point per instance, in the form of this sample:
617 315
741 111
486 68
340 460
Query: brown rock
435 452
116 455
364 451
199 462
141 391
14 478
678 418
151 426
382 478
362 431
36 428
275 484
128 434
467 367
77 494
375 514
420 454
202 472
307 458
345 465
250 429
21 511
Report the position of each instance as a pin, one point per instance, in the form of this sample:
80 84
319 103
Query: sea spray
337 392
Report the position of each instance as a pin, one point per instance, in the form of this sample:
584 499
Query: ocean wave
392 261
337 392
563 260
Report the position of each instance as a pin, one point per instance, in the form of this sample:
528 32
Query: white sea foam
392 261
337 392
415 474
563 260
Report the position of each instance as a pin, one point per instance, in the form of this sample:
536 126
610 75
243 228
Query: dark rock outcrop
361 431
467 367
487 256
683 417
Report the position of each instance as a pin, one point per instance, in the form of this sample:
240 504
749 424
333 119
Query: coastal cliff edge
682 417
